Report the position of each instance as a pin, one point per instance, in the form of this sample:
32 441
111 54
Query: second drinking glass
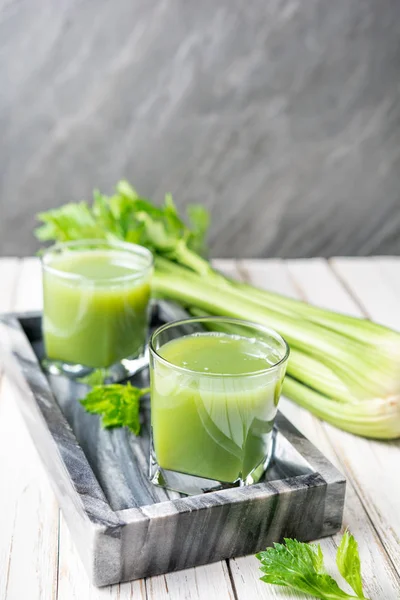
95 306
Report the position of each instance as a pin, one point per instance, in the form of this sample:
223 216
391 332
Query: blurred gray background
282 116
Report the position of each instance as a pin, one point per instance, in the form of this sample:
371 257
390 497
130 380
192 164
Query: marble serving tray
126 528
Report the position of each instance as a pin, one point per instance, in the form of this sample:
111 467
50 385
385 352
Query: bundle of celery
343 369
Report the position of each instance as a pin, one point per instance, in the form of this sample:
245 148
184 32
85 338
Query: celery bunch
343 369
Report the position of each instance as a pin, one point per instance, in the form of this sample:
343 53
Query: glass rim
133 249
251 324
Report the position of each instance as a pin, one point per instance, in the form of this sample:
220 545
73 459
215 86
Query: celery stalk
362 368
353 327
376 418
326 396
345 375
343 369
301 366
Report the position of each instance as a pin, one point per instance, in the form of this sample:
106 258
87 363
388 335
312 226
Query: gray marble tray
126 528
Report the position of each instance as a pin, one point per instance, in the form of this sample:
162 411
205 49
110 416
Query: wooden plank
313 273
270 275
9 273
380 578
374 291
203 583
274 276
389 266
366 462
29 289
246 576
29 515
225 265
74 583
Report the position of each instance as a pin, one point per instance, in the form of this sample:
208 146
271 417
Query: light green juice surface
98 318
217 421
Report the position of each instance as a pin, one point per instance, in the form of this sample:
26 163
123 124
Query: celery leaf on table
300 567
118 404
348 563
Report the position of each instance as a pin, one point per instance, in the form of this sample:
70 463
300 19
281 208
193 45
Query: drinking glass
95 307
215 387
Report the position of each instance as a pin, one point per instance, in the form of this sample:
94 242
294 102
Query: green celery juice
213 415
95 307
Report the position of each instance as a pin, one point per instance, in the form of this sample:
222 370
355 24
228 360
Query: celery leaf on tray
348 562
117 404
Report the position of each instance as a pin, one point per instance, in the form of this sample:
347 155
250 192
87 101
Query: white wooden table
38 560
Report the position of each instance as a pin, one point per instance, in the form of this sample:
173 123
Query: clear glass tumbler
95 307
215 386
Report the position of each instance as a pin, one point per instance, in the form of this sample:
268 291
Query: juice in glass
214 398
96 297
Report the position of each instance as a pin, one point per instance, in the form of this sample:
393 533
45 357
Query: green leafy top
118 404
199 219
127 216
301 567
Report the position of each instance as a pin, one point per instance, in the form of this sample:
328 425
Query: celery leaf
118 404
348 562
300 567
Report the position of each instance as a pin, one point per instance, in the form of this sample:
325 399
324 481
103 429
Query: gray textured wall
282 116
